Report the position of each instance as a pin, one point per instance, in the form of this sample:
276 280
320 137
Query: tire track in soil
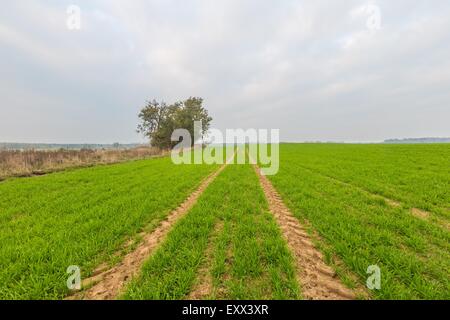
108 284
318 280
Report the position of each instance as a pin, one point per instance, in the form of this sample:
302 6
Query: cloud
317 70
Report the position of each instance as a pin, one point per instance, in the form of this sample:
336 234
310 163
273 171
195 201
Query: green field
341 191
248 258
358 202
81 217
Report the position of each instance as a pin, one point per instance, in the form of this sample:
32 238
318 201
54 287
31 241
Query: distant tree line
418 140
158 120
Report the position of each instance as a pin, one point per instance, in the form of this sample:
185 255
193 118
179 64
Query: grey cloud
310 68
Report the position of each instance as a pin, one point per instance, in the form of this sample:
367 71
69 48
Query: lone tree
159 120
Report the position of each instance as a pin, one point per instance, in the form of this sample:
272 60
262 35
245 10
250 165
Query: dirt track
108 284
318 281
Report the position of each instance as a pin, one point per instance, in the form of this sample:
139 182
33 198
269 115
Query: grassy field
363 205
415 175
344 193
247 258
81 217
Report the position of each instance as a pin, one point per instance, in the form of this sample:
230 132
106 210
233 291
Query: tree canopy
158 120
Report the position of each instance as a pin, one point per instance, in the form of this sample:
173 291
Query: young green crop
363 229
250 260
81 217
416 175
341 192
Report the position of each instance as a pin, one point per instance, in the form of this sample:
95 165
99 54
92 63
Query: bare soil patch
425 215
393 203
421 214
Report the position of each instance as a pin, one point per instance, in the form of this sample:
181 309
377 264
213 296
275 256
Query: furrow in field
109 283
425 215
393 203
318 280
418 213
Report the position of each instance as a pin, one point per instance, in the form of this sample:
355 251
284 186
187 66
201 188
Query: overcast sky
317 70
